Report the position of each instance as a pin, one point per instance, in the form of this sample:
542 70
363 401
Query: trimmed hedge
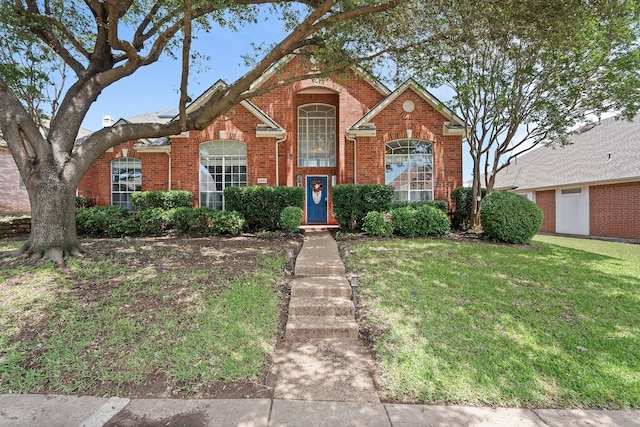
261 206
290 219
352 202
115 221
161 199
426 220
462 197
96 221
510 217
206 221
438 204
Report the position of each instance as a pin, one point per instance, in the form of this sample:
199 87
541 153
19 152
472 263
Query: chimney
107 121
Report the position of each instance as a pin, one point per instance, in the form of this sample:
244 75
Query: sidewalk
332 377
67 411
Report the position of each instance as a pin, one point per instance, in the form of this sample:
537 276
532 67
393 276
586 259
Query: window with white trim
409 169
126 178
568 191
316 135
222 164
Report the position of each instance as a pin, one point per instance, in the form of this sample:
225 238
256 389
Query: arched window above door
316 135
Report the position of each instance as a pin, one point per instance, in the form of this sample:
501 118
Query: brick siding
13 198
615 210
546 200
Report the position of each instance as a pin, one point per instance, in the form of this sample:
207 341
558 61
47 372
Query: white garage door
572 210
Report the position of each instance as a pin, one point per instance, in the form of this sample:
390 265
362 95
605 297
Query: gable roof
455 126
604 153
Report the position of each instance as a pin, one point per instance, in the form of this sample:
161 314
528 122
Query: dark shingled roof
607 152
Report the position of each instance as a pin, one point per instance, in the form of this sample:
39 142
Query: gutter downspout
355 158
169 154
284 138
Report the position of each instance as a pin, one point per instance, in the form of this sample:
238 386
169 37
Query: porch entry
317 193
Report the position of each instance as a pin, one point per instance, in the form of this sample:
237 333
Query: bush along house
311 133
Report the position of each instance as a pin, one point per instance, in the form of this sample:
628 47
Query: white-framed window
570 191
409 169
222 164
126 178
316 135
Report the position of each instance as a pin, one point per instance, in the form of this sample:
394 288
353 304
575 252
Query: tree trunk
476 195
53 221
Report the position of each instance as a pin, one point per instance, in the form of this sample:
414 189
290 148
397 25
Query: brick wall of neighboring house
546 200
13 197
353 97
615 210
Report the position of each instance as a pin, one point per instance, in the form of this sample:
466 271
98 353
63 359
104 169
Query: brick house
13 194
312 133
590 187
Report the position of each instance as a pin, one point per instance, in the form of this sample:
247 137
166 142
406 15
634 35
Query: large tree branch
34 16
21 133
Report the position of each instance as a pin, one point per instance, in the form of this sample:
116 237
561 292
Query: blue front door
317 191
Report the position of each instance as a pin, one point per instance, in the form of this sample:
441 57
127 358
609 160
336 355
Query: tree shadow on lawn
96 326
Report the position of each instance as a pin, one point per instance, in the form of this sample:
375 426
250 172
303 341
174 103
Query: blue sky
156 87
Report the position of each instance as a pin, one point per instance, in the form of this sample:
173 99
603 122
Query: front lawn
158 317
477 323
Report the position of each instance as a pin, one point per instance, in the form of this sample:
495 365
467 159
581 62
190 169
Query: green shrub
462 198
226 222
426 220
510 217
205 221
161 199
404 221
261 206
352 202
377 224
96 221
83 202
438 204
347 205
290 219
376 197
431 221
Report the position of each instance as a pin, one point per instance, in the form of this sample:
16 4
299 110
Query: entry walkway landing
322 358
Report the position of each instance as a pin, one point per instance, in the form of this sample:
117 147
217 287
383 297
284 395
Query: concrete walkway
322 358
69 411
320 382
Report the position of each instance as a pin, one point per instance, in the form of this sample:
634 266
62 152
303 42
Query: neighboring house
14 198
312 134
591 187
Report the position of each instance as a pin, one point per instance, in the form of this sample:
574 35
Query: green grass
476 323
108 323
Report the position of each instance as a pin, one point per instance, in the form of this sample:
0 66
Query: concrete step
323 306
319 268
327 286
310 327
